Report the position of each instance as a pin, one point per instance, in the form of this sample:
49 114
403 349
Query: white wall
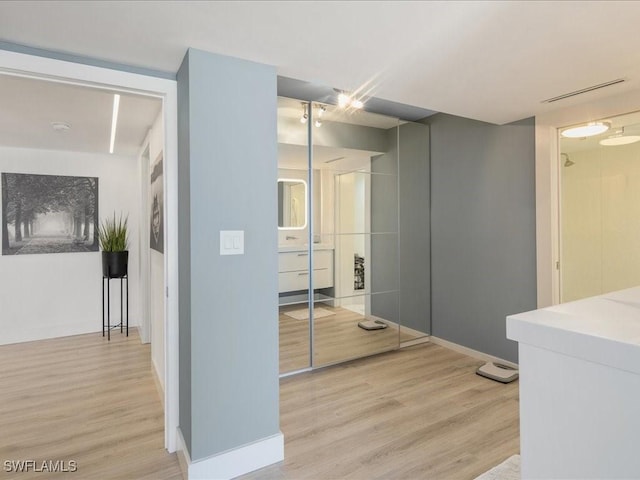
156 285
55 295
600 219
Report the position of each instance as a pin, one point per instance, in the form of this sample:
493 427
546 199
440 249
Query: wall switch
231 242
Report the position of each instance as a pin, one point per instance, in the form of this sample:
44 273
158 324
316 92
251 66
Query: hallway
85 400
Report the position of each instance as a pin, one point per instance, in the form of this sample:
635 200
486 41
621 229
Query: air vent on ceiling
584 90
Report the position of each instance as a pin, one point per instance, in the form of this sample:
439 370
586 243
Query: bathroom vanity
293 268
580 387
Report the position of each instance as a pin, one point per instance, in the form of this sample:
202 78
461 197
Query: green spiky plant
112 234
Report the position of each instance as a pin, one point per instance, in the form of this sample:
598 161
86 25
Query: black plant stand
124 322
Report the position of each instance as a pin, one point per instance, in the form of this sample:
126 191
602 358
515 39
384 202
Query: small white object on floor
303 313
372 324
498 372
507 470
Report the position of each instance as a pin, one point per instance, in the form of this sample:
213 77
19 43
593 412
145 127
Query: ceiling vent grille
584 90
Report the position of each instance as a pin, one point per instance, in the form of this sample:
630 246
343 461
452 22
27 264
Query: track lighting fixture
348 100
320 109
305 114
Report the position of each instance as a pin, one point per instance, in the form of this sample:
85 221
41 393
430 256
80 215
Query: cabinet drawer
293 261
292 281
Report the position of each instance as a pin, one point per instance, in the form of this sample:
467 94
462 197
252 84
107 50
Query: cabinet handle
303 254
303 273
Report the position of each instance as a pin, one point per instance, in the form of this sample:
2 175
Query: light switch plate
231 242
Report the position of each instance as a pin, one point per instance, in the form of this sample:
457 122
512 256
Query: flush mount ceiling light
60 126
305 114
588 130
619 139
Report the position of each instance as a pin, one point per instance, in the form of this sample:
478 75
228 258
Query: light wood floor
337 338
418 413
85 399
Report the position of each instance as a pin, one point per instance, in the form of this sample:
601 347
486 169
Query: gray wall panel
482 230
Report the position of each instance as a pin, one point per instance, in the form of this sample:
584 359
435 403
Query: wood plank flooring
337 338
85 399
417 413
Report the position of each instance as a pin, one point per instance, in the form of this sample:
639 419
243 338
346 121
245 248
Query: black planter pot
114 264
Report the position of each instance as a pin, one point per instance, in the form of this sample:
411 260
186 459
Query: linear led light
114 121
588 130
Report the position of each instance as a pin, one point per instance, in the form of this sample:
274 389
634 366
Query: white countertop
603 329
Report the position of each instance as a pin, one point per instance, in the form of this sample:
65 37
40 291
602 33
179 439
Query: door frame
51 69
547 158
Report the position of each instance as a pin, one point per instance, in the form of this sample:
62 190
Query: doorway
599 210
92 79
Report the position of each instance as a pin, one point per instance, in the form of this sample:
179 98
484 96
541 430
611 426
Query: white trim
13 63
171 315
471 352
232 463
184 460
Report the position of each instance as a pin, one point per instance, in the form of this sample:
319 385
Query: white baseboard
183 454
470 352
159 387
232 463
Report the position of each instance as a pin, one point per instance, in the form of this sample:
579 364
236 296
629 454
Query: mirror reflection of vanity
293 257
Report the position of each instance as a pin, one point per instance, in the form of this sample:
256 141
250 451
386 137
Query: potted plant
113 237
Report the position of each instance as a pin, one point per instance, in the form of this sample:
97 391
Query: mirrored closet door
339 246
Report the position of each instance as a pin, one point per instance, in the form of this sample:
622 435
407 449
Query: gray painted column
228 304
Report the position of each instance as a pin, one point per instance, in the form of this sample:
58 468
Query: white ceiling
493 61
29 107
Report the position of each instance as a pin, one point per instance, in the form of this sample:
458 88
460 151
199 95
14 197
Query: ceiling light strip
114 121
584 90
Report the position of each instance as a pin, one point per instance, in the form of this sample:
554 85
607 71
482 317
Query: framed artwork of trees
49 214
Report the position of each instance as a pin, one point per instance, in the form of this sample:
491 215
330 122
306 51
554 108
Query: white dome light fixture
588 130
619 139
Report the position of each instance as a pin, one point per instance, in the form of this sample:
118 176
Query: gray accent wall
232 315
483 264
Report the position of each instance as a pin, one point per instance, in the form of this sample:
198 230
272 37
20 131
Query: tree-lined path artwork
49 214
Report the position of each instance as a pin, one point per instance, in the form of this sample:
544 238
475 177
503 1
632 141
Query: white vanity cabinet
293 270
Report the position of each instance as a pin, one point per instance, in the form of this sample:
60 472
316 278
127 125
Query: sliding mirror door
355 250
